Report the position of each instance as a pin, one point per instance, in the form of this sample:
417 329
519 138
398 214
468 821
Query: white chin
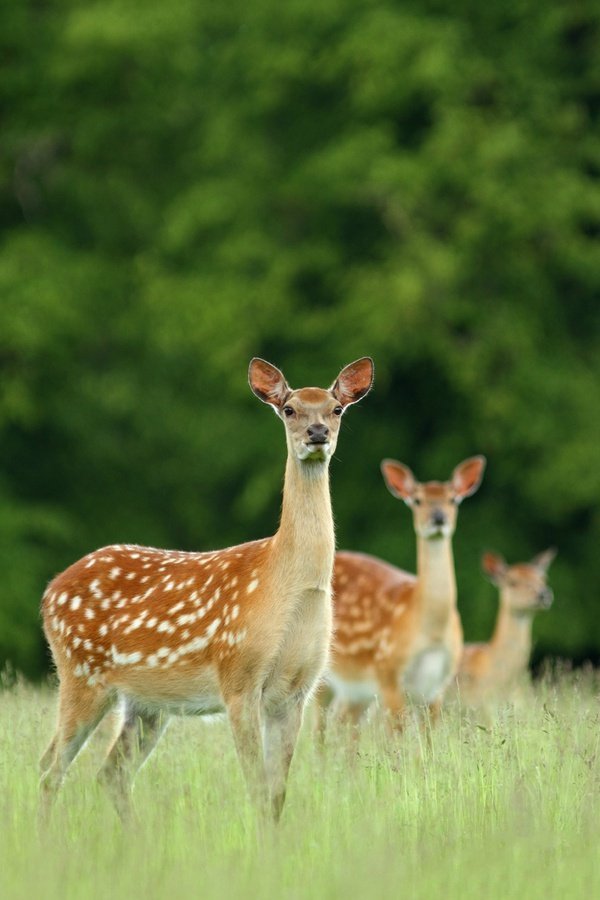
320 452
433 534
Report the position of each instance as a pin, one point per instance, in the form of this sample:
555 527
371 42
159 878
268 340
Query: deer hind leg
282 726
139 733
80 709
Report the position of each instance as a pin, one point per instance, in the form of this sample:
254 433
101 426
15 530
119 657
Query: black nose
318 434
438 517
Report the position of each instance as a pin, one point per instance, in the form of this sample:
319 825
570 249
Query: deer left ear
353 382
542 560
467 476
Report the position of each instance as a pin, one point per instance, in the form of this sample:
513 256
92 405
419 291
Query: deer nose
438 517
317 433
545 598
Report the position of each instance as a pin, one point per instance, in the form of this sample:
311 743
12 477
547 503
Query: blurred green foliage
185 186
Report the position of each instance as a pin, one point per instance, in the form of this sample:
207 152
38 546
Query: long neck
304 545
436 582
511 641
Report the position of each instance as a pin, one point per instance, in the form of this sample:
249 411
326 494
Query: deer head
311 415
434 504
523 586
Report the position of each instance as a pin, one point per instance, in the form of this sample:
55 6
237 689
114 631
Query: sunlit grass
509 811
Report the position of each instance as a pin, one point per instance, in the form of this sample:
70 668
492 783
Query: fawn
245 630
397 634
490 671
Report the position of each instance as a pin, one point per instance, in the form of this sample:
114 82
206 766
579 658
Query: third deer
490 671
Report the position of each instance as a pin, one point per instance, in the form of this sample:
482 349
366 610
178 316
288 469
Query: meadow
508 810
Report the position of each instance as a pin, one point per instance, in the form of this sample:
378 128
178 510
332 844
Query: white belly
427 674
351 691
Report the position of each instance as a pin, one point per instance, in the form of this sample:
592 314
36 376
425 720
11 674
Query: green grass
508 812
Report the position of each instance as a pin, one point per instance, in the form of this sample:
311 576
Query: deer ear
399 479
467 476
494 566
542 560
268 382
353 382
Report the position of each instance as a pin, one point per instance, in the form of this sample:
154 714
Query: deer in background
244 630
397 634
490 671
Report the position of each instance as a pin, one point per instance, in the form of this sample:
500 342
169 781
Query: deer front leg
282 725
245 719
392 698
322 704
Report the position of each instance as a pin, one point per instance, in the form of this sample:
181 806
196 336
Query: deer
398 636
491 671
244 630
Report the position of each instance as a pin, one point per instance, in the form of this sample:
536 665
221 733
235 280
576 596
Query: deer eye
288 411
338 411
417 501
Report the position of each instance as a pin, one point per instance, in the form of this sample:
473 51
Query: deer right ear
268 382
494 566
399 479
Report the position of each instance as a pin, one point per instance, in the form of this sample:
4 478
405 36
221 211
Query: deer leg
352 713
81 708
434 709
244 714
282 726
430 715
47 757
137 739
322 705
393 700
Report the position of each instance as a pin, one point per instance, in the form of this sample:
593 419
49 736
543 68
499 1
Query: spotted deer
491 671
398 634
245 630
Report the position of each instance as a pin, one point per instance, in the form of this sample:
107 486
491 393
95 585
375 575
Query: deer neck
303 547
511 641
436 584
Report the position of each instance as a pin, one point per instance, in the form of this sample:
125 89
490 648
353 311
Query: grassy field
503 812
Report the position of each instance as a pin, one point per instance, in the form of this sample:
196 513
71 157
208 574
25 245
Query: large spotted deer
490 672
244 630
397 634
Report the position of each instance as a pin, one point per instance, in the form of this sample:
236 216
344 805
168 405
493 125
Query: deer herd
259 629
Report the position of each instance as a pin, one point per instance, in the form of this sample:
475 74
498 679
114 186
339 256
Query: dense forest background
184 186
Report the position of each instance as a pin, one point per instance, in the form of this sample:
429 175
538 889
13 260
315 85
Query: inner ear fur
494 566
354 381
467 476
267 382
399 479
